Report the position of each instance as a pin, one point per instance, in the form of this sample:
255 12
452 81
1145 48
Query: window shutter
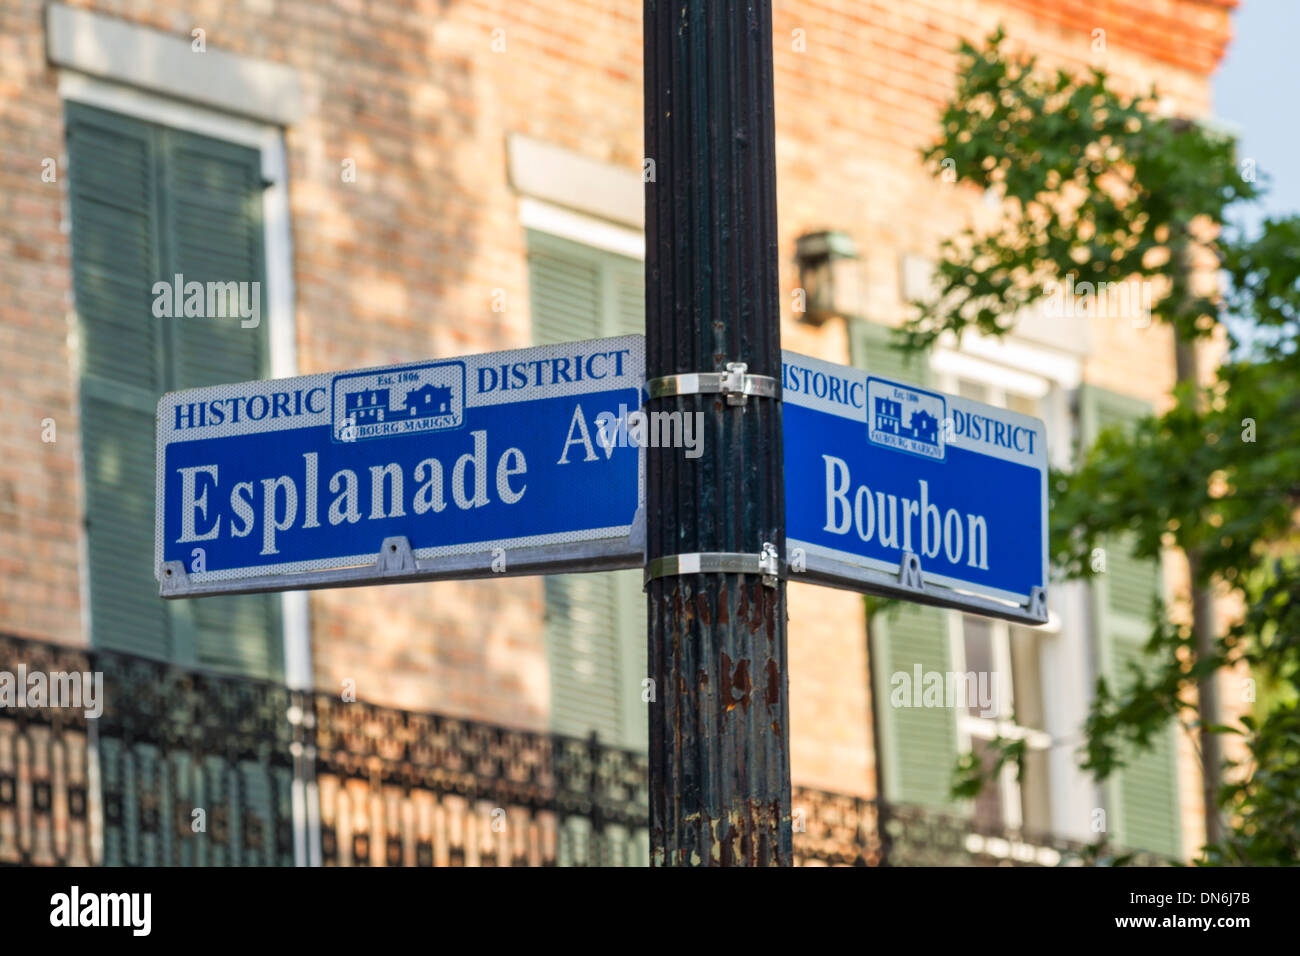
919 744
871 348
634 657
149 203
627 288
213 232
582 643
565 285
113 189
1144 795
625 280
595 623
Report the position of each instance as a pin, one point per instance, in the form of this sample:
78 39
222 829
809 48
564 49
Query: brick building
411 180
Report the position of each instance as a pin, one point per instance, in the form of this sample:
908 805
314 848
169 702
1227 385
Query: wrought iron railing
193 769
404 788
45 756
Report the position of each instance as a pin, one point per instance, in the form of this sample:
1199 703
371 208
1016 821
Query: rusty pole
719 755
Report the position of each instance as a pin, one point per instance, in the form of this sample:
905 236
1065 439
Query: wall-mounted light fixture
830 276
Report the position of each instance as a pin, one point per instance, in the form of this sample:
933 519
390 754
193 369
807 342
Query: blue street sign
487 464
907 492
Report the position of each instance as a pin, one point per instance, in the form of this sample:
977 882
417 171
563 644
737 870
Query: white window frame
542 216
950 367
971 726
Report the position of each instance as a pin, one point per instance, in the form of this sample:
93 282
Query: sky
1256 90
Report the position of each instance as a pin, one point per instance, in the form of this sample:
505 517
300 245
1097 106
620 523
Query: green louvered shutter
595 623
919 743
1144 795
871 348
566 289
213 233
625 315
113 187
148 203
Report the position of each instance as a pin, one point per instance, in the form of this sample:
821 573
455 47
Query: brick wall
39 481
402 264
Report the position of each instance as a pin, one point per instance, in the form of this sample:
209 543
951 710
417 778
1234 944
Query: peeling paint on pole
719 764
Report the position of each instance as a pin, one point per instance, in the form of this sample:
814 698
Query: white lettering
191 504
836 495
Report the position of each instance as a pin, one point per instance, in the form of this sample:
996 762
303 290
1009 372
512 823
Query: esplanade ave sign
503 463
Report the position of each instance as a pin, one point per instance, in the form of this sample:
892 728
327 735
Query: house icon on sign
370 405
426 401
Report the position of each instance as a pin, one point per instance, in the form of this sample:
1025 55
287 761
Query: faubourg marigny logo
905 418
405 401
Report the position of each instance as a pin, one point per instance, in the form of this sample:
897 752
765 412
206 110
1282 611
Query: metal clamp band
767 563
733 383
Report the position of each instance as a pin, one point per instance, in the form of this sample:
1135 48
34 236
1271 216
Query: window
595 623
149 203
1004 659
1004 698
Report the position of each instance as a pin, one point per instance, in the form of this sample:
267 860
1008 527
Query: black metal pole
719 747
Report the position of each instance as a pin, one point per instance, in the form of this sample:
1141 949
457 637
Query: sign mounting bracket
735 383
767 563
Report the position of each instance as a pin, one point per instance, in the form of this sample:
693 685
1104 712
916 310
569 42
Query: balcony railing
194 769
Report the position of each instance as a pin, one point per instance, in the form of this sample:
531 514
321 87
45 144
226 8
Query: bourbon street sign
468 467
902 491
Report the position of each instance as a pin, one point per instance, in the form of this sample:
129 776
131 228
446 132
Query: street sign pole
719 755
